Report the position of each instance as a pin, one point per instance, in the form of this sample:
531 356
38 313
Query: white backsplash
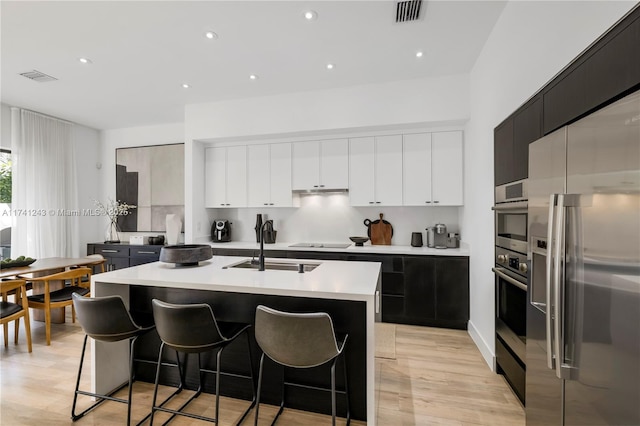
328 218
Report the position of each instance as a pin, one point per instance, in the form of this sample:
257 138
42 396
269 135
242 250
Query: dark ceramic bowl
359 240
185 255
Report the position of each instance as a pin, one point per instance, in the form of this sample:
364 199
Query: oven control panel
511 260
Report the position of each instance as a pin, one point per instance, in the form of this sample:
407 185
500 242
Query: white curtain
44 190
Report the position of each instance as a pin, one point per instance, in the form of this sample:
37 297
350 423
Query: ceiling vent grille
38 76
408 10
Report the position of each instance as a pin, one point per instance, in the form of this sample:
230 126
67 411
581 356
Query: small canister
416 239
453 240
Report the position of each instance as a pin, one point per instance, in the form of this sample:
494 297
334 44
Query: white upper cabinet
334 164
269 175
416 153
446 168
226 177
433 169
375 171
320 165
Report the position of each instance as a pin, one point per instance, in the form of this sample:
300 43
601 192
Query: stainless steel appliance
583 315
511 216
511 272
221 231
437 236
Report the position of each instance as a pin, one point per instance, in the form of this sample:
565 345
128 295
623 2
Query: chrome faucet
261 257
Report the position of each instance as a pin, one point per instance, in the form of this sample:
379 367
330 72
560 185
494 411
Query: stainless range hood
321 191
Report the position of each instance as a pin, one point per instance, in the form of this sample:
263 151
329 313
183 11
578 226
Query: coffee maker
437 236
221 231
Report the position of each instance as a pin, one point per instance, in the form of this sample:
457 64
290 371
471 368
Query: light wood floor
437 378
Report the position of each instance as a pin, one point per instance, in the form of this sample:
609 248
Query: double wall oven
511 277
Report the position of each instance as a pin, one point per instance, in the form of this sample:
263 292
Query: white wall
328 218
130 137
394 105
87 153
5 126
529 44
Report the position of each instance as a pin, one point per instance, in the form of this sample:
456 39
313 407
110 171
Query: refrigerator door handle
558 274
548 284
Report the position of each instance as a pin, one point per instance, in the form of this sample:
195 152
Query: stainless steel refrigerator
583 312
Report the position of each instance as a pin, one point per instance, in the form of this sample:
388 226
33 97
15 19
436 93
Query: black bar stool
193 328
105 319
300 341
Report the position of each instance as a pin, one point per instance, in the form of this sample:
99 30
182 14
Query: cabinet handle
222 204
315 186
265 204
227 204
146 252
109 251
370 202
377 302
270 204
436 202
378 202
428 202
321 186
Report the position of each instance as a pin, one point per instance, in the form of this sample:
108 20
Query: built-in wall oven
511 277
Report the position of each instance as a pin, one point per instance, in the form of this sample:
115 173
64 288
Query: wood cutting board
380 231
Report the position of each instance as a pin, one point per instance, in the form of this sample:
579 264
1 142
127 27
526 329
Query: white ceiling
142 52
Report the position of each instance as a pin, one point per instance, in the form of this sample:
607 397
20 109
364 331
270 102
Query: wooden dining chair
13 311
62 297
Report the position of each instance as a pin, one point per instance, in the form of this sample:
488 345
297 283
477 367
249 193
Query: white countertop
331 280
367 248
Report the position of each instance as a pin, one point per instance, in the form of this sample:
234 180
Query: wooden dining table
42 267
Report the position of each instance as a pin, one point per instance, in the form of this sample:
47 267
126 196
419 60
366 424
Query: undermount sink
274 265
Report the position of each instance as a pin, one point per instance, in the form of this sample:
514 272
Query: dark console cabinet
123 255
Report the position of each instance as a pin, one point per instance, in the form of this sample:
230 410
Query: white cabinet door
447 174
416 185
215 177
236 176
258 176
361 171
305 165
281 175
334 164
388 163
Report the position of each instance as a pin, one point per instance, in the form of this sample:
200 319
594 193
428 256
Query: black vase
258 226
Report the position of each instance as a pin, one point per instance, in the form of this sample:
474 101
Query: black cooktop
321 245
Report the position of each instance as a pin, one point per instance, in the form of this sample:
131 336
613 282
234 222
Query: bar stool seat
300 340
193 329
106 319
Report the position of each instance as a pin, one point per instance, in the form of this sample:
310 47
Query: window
5 203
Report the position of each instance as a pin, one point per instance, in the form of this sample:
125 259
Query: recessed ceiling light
85 61
310 15
418 54
253 77
211 35
185 86
330 66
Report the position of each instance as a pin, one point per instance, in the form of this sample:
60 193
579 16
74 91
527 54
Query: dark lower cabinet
420 279
123 255
437 291
417 290
452 289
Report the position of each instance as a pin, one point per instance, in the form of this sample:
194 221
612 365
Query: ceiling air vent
408 10
38 76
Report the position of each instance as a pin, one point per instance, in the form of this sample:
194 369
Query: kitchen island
348 291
